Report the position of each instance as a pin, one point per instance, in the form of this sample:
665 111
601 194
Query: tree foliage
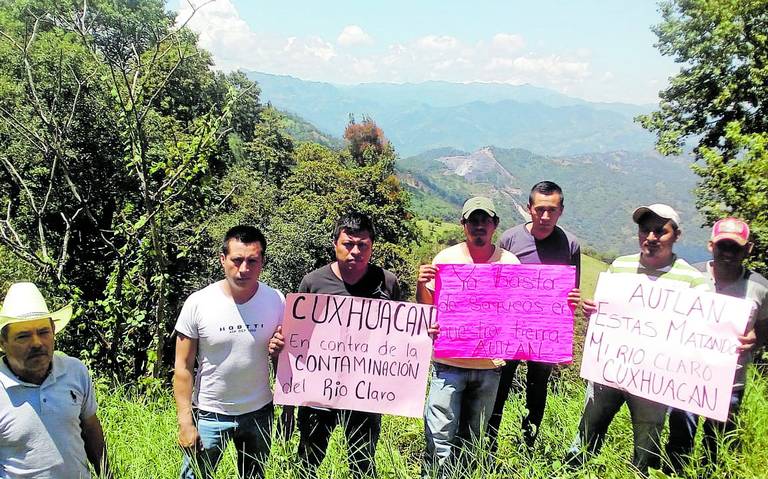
718 100
722 49
111 139
738 187
124 158
365 138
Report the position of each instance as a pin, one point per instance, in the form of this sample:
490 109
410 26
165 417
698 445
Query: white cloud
437 42
550 65
353 35
312 46
223 33
509 42
498 58
364 68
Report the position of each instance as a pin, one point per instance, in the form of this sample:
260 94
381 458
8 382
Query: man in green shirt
658 230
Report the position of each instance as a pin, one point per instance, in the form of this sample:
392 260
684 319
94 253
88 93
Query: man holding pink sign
462 391
539 241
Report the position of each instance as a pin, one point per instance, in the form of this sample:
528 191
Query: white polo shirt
40 433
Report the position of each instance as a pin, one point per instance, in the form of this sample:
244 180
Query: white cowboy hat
24 302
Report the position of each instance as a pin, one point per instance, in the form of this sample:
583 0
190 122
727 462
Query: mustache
41 351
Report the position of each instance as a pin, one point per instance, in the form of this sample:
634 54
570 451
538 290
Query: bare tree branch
64 253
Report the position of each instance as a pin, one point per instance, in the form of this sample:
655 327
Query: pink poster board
504 311
665 342
364 354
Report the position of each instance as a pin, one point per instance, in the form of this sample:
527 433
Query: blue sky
597 50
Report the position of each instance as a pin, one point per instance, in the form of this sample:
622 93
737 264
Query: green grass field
141 433
590 270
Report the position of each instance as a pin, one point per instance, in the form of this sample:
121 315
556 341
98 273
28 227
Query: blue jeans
250 432
602 404
682 432
458 407
535 399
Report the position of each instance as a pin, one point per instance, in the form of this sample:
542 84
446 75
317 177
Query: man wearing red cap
730 246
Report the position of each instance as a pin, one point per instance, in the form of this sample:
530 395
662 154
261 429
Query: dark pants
603 402
535 400
287 422
360 428
682 432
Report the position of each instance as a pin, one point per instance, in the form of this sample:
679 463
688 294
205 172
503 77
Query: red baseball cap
732 229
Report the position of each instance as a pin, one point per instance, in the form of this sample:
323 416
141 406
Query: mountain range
421 116
604 161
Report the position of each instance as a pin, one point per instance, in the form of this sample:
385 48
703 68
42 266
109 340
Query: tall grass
141 435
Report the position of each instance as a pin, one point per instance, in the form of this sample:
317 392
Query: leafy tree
738 187
124 158
718 100
270 150
364 138
112 130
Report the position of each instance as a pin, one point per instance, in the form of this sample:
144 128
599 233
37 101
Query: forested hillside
423 116
125 158
601 190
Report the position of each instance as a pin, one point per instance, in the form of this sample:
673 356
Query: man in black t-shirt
539 241
350 275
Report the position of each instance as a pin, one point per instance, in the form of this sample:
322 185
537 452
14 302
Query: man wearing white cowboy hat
48 423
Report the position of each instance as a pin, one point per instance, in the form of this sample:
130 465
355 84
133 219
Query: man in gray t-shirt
539 241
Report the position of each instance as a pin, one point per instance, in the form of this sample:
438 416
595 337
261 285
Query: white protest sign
659 340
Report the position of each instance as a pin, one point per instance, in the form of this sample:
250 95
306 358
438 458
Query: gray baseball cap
478 203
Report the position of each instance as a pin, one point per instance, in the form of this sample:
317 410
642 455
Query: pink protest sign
506 311
662 341
364 354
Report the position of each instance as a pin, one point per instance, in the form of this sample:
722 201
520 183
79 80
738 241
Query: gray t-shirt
560 247
752 286
233 363
40 425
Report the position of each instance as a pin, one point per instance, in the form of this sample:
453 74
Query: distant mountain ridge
421 116
604 161
601 190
